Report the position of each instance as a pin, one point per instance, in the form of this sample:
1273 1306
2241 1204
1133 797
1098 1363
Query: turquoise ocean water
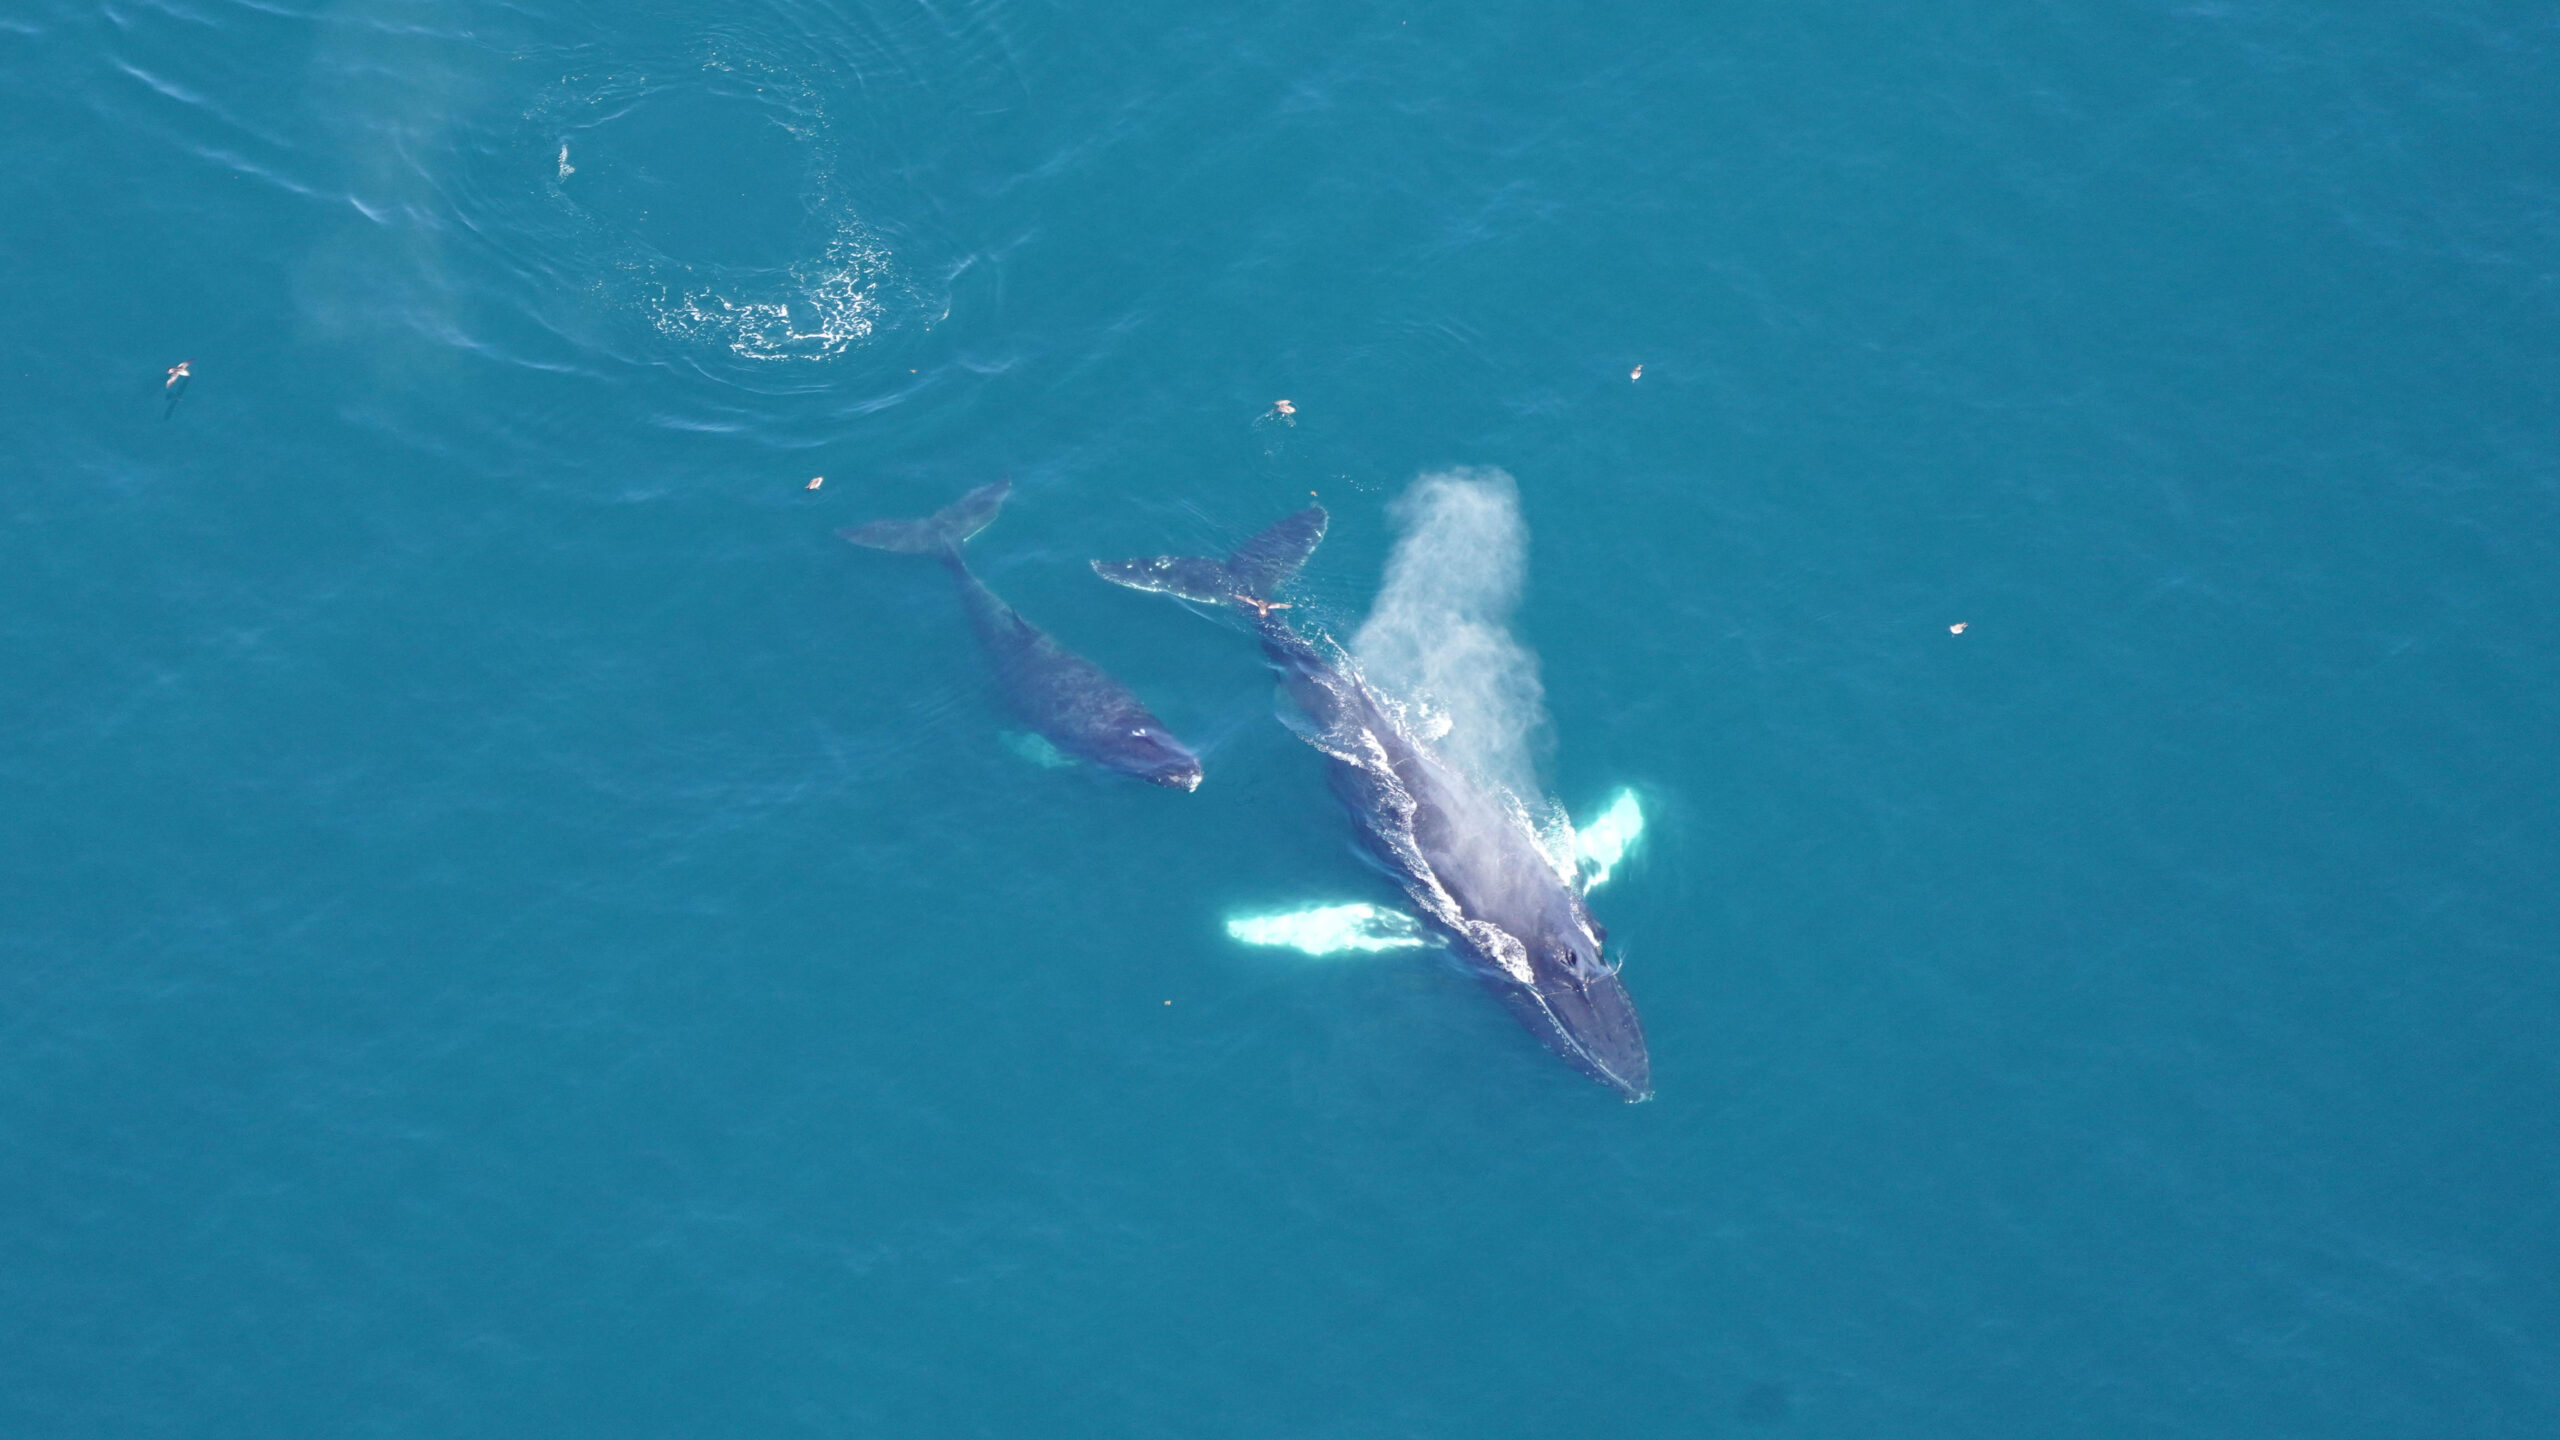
508 928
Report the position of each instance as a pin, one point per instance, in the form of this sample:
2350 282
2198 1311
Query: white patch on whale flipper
1599 845
1331 929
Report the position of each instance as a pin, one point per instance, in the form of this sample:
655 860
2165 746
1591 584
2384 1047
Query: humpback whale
1464 852
1069 700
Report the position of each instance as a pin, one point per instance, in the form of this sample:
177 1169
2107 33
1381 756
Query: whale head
1597 1031
1576 1004
1154 756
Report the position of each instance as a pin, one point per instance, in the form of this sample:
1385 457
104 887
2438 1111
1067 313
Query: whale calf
1465 852
1072 702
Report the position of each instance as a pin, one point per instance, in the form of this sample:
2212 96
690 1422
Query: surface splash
812 311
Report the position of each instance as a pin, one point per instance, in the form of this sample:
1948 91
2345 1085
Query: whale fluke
1271 559
942 530
1250 572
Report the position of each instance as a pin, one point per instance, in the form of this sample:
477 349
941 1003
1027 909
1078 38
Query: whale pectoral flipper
944 529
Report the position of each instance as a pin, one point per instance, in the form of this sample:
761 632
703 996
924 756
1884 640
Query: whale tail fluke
1250 573
941 531
1271 559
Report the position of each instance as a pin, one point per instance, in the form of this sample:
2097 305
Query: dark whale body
1465 853
1071 701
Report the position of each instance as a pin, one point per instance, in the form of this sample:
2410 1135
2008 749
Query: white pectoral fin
1601 844
1352 929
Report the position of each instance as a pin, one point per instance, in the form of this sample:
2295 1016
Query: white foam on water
814 308
1331 929
813 311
